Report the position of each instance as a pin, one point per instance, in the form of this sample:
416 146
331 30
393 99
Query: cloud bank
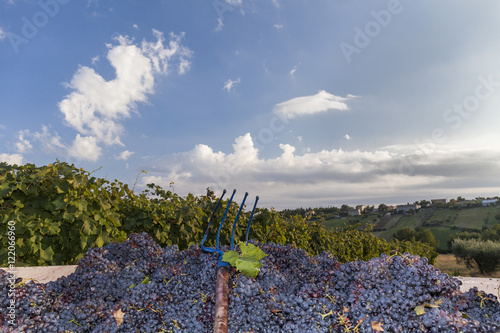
329 176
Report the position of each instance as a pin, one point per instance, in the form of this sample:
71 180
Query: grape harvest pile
137 286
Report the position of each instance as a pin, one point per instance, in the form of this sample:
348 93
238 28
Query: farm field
442 234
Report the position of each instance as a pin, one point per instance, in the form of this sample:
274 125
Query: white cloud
294 69
220 24
135 26
230 84
307 105
95 59
278 26
96 106
162 56
3 34
85 148
347 137
234 2
124 155
318 178
50 143
184 66
44 141
12 158
23 145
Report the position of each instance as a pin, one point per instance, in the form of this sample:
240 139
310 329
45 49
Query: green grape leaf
99 241
251 251
248 262
47 254
230 257
145 280
249 267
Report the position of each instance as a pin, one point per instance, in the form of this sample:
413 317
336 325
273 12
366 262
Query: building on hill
353 212
361 208
391 207
438 202
489 202
407 207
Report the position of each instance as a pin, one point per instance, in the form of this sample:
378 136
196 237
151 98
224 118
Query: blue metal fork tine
236 220
210 221
222 222
250 220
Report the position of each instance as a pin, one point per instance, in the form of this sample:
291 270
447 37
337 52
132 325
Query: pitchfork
221 286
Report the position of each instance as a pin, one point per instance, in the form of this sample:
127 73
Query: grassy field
447 264
442 234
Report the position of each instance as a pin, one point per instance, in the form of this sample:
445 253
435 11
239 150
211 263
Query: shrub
485 254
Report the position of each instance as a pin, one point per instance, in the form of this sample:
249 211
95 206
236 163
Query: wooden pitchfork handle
221 300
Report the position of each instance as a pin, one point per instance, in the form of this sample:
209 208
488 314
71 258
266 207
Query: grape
137 286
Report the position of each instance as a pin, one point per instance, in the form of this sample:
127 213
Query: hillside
442 222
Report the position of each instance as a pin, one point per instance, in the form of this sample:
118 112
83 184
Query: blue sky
304 103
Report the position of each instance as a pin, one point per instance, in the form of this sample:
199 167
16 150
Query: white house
489 202
408 207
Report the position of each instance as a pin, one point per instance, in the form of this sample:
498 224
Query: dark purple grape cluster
138 287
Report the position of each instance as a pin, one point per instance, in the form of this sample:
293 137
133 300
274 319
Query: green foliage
485 254
61 211
354 242
492 234
419 235
383 208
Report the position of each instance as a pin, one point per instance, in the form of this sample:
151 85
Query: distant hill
442 220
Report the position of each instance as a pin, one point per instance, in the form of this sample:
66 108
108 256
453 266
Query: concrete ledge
42 274
45 274
488 285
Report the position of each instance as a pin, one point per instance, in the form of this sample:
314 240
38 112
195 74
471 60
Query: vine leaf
118 315
248 262
377 326
231 257
420 309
